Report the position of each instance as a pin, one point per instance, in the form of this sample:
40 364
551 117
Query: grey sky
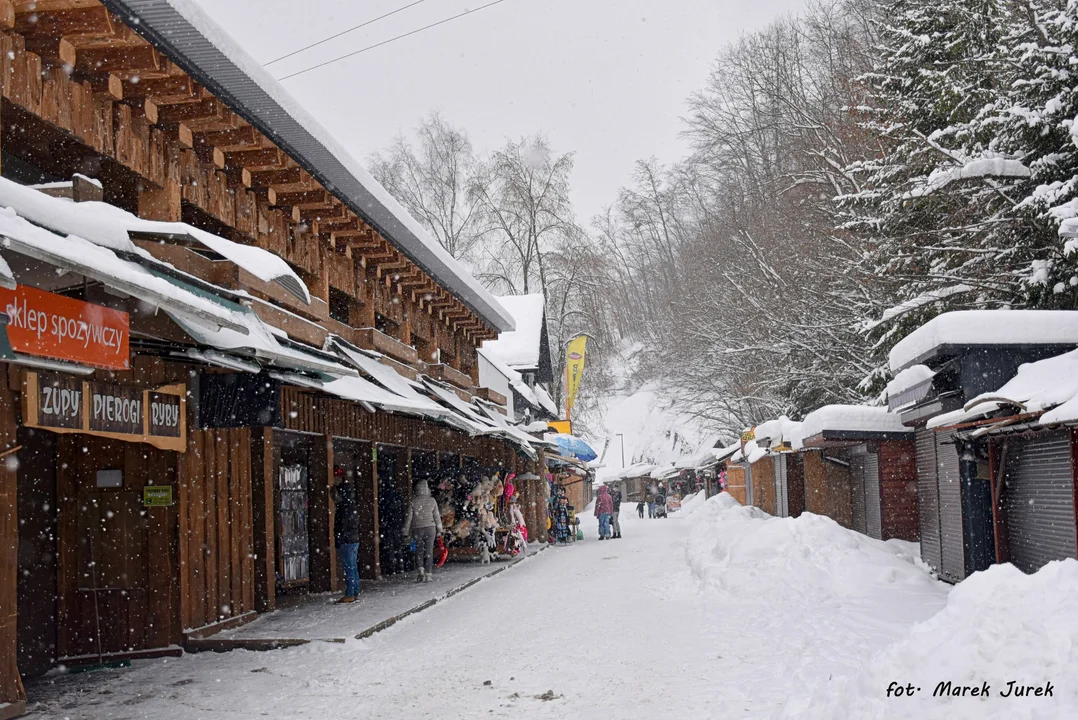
605 78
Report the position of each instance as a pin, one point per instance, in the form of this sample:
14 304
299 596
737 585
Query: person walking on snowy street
346 532
604 508
615 517
651 506
640 509
423 523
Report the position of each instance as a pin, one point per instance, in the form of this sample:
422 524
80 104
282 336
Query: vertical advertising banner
574 371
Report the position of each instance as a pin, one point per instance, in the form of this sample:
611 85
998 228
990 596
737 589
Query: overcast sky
607 79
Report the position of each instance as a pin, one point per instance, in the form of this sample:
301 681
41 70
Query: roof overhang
173 34
846 438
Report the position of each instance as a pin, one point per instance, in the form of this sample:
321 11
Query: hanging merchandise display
475 505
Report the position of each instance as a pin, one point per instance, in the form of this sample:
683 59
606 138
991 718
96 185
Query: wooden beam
187 111
108 58
291 195
32 21
260 157
138 86
329 216
263 178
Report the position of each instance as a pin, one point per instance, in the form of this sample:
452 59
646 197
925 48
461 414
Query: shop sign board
48 325
157 496
64 404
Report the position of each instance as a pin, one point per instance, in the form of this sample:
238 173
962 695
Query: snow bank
691 503
986 327
998 626
811 559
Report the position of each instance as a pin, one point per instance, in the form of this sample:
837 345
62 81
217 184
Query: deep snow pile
999 626
850 615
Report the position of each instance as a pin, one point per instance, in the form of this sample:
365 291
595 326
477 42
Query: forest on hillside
855 170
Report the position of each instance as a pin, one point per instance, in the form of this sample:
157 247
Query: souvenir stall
481 514
570 483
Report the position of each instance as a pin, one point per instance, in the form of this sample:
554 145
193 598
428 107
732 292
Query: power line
344 32
394 39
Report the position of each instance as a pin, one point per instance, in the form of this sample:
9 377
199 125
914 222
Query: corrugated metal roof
173 34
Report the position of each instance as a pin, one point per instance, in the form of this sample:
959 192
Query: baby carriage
660 506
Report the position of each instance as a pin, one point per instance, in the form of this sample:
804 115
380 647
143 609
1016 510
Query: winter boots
421 577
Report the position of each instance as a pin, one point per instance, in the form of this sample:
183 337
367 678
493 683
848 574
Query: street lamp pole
622 436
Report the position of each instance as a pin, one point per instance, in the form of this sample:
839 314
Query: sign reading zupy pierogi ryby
64 404
55 326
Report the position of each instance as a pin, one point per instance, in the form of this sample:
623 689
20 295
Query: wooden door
104 559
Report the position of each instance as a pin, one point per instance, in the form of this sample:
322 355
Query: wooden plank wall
795 483
264 456
735 482
764 495
11 690
898 490
217 530
827 488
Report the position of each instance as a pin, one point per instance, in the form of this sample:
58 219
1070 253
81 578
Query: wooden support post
11 689
263 476
319 518
367 492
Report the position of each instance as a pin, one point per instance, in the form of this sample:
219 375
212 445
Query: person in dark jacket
346 532
615 521
640 509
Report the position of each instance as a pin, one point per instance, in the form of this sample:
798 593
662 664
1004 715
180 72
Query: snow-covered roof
636 471
751 453
520 348
545 401
109 226
778 431
181 30
1046 385
986 327
704 454
852 420
664 471
908 379
100 263
516 380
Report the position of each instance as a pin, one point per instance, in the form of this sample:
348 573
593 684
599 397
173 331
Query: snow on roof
851 418
664 471
781 429
516 380
258 341
751 453
986 327
7 279
703 454
110 226
182 31
545 401
1046 385
908 379
635 471
520 348
102 264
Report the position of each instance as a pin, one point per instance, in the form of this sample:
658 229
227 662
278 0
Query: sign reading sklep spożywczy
48 325
64 404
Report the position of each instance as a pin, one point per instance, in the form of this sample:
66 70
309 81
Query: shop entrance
115 562
394 496
291 502
355 457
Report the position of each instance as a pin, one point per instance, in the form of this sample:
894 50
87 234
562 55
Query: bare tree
431 180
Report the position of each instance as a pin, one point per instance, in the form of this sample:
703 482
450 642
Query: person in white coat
423 523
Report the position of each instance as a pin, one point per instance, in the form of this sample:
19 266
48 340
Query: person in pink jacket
604 508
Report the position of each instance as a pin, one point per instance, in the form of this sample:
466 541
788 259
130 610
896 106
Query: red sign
53 326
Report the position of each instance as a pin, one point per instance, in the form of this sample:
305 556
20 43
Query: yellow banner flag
574 371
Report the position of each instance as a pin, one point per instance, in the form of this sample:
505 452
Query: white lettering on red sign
63 328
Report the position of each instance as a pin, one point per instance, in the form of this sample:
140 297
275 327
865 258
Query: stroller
660 506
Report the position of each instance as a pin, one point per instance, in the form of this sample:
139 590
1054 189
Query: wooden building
880 469
1014 457
962 359
263 314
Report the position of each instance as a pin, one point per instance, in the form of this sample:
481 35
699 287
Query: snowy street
717 612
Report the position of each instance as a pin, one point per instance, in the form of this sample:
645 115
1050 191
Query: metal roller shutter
857 488
782 505
952 539
873 519
1039 501
928 497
